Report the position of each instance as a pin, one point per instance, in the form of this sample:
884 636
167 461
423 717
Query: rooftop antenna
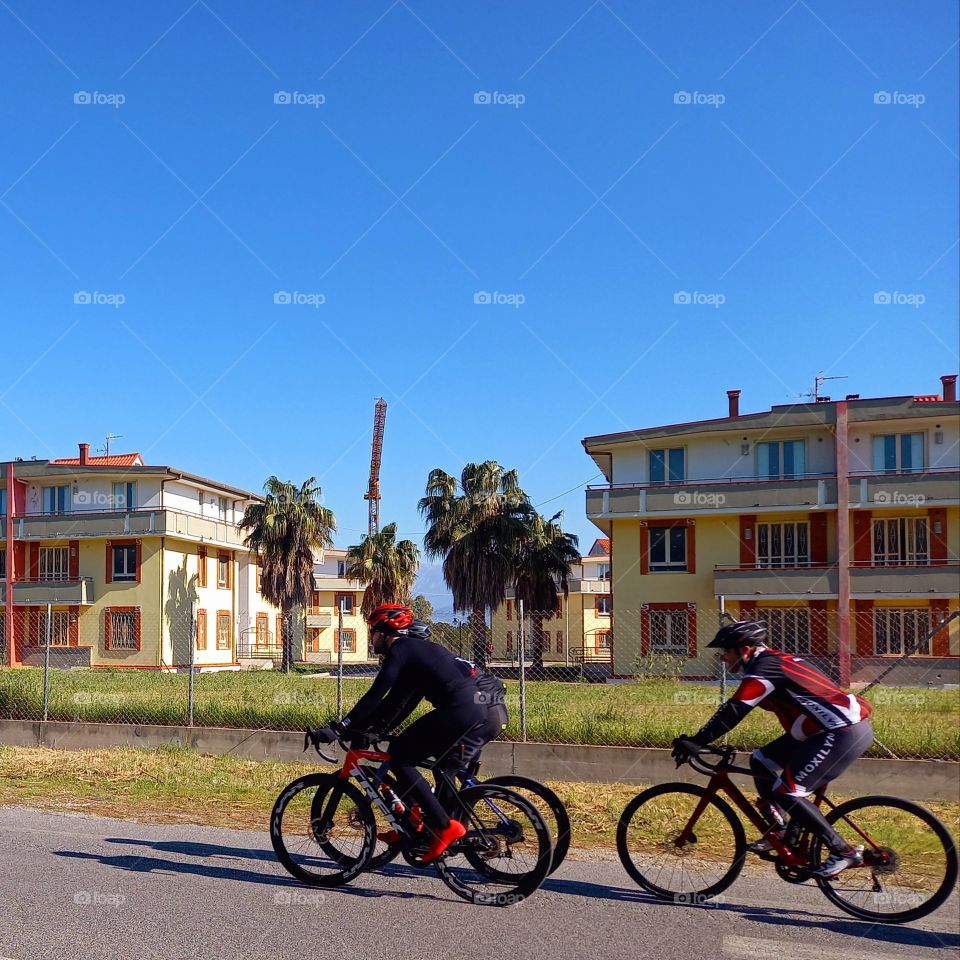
817 381
107 439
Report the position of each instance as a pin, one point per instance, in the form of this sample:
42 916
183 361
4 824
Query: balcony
905 490
924 580
704 497
340 584
808 582
126 523
36 592
584 585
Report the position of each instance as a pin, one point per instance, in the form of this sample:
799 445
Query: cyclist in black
415 669
827 730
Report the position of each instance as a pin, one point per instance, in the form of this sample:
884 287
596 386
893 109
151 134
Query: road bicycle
684 842
323 829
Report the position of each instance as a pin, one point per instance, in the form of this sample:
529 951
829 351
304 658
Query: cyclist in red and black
827 730
414 669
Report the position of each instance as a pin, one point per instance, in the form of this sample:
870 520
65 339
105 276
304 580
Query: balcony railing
37 591
915 488
940 578
803 581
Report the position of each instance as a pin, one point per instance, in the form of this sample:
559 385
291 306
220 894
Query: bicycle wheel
910 860
506 853
326 844
689 872
550 807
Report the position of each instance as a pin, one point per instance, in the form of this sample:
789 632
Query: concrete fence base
928 780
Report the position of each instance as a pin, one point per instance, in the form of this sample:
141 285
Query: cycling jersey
413 669
804 699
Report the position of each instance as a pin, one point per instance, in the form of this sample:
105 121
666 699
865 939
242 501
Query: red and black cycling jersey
805 700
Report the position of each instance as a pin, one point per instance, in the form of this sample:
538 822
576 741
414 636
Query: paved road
88 888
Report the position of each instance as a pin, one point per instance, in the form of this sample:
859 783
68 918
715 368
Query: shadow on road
861 929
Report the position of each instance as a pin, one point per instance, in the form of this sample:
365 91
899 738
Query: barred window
123 629
603 640
669 631
789 628
54 563
782 544
897 629
224 631
900 540
59 628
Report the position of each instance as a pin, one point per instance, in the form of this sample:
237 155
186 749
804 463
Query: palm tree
475 524
286 529
385 566
542 567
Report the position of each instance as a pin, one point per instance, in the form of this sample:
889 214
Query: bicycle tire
326 784
699 894
520 885
561 831
834 893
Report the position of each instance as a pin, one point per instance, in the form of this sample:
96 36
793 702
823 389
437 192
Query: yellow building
144 568
579 631
836 521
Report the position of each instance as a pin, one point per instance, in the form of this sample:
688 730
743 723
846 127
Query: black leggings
435 734
800 767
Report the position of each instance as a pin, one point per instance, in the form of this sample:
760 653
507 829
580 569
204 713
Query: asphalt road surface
88 888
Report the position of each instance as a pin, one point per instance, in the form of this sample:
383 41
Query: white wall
938 455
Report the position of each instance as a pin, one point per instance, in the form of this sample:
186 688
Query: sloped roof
114 460
600 548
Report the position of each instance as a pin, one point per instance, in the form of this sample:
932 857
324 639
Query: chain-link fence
637 679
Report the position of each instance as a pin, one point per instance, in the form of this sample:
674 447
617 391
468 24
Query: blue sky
582 194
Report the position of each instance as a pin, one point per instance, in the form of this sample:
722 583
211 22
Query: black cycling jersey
413 669
804 700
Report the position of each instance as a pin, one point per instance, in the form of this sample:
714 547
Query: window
547 640
54 564
667 466
898 453
347 640
603 607
341 568
899 540
668 549
782 459
263 630
509 609
56 499
669 631
559 641
201 638
224 630
125 496
3 503
59 629
3 563
222 508
223 571
559 610
896 630
603 571
345 603
202 567
783 544
124 562
510 642
789 628
122 628
604 639
258 581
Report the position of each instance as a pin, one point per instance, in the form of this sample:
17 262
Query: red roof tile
114 460
928 398
600 548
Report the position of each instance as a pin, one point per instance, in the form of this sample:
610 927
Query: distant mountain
430 583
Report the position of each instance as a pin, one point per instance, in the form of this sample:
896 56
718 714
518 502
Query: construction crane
372 496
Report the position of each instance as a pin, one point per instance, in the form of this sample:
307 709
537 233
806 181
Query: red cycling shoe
443 840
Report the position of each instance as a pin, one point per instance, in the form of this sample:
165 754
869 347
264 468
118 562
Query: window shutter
107 627
74 560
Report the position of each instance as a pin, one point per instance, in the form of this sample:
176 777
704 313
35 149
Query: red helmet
390 617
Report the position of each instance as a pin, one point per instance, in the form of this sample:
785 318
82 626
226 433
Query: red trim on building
33 551
862 536
818 628
201 566
863 624
201 630
73 559
689 608
108 628
940 644
818 538
73 614
938 541
748 545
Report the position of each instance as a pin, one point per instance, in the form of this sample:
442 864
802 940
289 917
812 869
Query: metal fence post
340 660
46 663
522 657
193 648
